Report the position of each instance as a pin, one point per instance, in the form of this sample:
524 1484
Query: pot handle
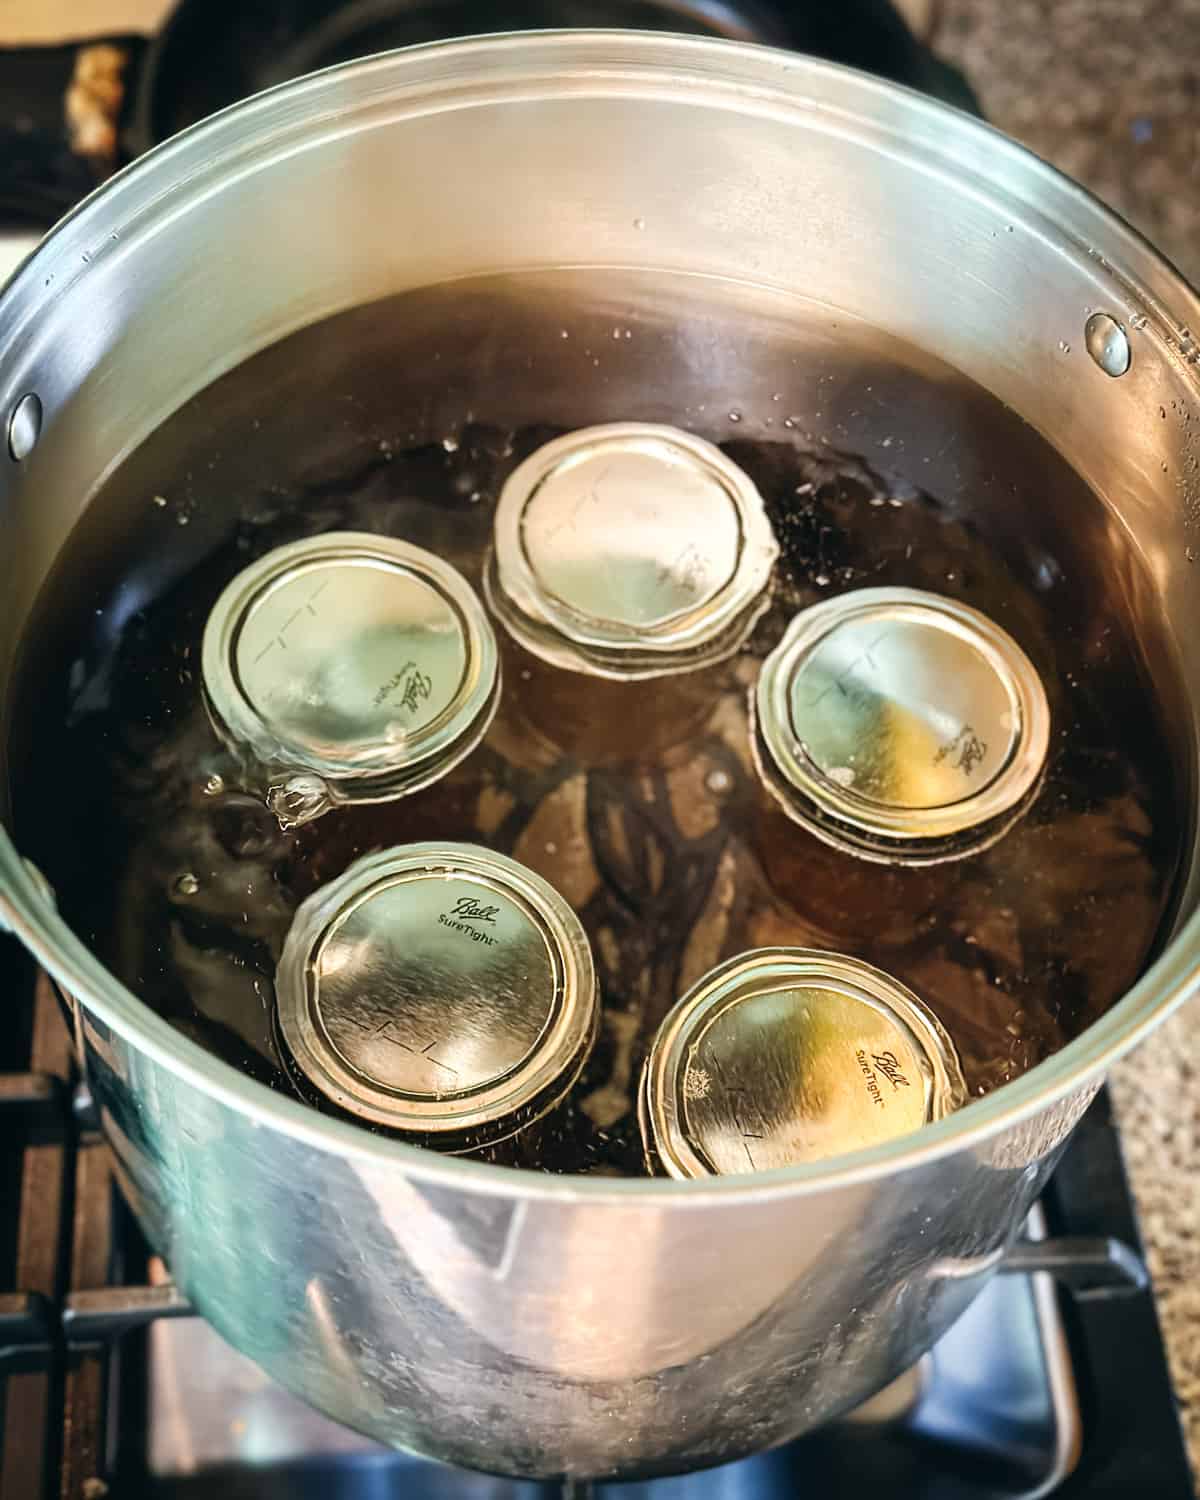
1090 1267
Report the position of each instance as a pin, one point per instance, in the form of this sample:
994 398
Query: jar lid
788 1055
630 550
441 990
900 725
358 667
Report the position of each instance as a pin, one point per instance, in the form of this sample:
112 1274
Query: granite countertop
1109 91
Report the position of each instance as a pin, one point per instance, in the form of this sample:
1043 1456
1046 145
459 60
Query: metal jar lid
630 550
900 725
357 667
789 1055
440 990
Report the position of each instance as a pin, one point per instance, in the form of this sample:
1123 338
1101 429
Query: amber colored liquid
638 801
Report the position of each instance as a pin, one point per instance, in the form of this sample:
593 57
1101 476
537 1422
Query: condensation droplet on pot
186 884
24 427
1190 554
1063 347
1107 343
639 223
1162 411
1138 321
735 416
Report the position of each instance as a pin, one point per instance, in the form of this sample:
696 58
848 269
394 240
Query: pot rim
441 75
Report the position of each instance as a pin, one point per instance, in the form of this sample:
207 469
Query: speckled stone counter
1109 91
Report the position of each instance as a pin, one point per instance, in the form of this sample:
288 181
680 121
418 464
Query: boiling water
639 802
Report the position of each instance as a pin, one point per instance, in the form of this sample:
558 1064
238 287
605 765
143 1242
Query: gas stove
1053 1383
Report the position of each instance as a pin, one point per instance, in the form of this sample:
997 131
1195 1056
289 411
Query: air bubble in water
299 800
214 785
186 884
450 444
735 416
718 782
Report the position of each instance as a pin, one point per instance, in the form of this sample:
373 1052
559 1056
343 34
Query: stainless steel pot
514 1322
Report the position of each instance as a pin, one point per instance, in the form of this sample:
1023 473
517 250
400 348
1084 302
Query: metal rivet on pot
24 427
1107 343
